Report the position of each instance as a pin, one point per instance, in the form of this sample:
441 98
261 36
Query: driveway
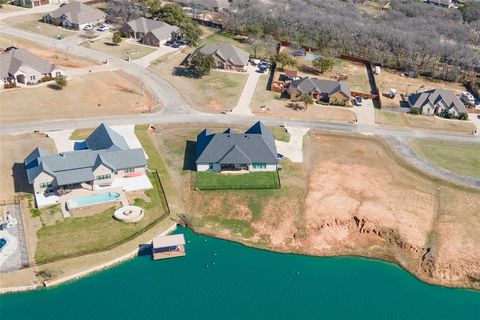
476 121
365 113
149 58
293 149
243 105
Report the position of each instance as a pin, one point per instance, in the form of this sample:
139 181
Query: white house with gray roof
75 15
226 56
20 66
253 150
437 102
150 32
104 158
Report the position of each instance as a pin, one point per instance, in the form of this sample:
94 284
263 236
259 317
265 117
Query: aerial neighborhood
305 127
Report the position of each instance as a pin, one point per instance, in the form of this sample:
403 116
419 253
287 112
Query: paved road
402 147
168 97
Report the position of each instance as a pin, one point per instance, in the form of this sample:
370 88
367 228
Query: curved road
176 110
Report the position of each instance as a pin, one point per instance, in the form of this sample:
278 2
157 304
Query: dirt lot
388 79
58 57
96 94
278 107
351 197
203 93
405 120
121 50
13 150
32 23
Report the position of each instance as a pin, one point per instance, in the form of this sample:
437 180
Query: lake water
224 280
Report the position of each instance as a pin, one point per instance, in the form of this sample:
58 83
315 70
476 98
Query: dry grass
121 50
13 151
405 120
58 57
278 107
32 23
219 91
96 94
6 8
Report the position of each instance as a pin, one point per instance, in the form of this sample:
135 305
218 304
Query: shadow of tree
54 86
295 106
185 72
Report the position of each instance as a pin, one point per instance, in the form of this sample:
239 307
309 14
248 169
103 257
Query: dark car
358 101
176 44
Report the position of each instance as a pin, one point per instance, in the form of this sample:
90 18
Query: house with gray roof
75 15
20 66
252 150
320 89
106 157
437 102
150 32
226 56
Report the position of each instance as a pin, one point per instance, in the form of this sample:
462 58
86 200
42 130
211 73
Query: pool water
93 199
3 242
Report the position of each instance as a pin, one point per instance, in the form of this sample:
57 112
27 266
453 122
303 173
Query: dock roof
168 241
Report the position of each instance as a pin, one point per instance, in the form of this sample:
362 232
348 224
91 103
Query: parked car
104 27
169 43
88 27
467 98
175 44
358 101
182 42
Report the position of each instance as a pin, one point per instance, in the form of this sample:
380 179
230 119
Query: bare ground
96 94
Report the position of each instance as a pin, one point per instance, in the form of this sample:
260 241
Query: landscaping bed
252 180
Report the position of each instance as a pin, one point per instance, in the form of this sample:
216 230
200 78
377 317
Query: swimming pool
3 242
92 199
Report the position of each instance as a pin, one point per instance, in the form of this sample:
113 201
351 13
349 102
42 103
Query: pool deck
84 192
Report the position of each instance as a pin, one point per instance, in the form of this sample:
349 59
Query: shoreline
133 254
84 273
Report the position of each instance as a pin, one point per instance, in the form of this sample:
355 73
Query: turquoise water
223 280
93 199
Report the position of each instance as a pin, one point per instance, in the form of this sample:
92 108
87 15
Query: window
33 78
58 74
259 166
103 177
44 185
128 170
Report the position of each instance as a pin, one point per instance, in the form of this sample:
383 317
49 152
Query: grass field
121 50
405 120
462 158
254 180
81 134
87 95
32 23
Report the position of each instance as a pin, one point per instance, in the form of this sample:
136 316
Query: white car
88 27
104 27
468 98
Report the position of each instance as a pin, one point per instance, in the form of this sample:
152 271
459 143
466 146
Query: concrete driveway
149 58
293 149
365 113
243 105
476 121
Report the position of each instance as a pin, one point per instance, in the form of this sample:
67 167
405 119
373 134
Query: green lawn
253 180
281 134
462 158
121 50
80 134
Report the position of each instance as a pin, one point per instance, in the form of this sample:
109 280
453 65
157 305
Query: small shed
168 246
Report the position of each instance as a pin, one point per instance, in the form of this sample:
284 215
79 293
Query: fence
14 200
279 86
166 213
244 185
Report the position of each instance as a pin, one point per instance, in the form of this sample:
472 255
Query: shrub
415 112
463 116
61 82
335 102
45 78
116 38
9 85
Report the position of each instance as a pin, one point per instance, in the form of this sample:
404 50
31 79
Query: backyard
219 91
86 95
256 180
405 120
123 50
33 23
462 158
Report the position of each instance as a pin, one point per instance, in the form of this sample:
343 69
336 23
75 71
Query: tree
323 63
202 64
117 38
153 6
470 11
2 2
307 100
61 82
191 32
173 14
284 59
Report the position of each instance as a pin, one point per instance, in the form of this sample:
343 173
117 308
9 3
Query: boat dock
164 247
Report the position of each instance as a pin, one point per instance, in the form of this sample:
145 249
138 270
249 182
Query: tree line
436 42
